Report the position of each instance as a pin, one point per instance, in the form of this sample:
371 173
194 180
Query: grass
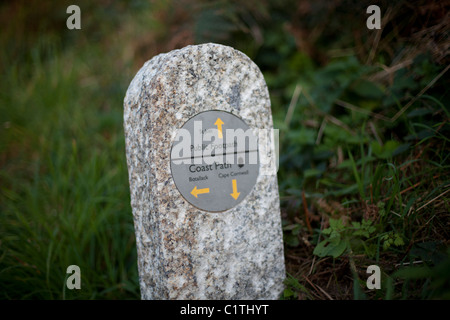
65 195
364 162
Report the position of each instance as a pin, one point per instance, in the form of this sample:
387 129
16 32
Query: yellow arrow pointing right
235 194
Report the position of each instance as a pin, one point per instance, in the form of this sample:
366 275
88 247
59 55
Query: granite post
204 229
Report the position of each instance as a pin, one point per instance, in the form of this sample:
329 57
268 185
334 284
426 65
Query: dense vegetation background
364 139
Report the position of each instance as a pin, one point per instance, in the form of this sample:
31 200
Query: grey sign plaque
214 160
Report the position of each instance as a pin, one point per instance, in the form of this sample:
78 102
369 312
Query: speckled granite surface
184 252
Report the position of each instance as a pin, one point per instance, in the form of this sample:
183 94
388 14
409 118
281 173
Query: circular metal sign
214 160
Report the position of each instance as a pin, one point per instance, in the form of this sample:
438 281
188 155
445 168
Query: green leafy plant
294 288
339 237
291 234
392 239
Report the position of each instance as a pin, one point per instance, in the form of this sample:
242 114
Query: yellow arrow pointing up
196 191
219 124
235 194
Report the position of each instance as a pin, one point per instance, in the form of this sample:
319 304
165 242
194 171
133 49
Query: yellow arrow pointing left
196 191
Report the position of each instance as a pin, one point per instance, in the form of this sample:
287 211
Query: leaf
413 273
364 228
356 225
401 148
334 247
312 173
292 282
338 249
398 241
290 227
330 82
288 293
336 224
361 233
291 240
386 151
423 134
429 251
357 177
419 112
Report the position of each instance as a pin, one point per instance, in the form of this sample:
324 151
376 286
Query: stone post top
199 78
